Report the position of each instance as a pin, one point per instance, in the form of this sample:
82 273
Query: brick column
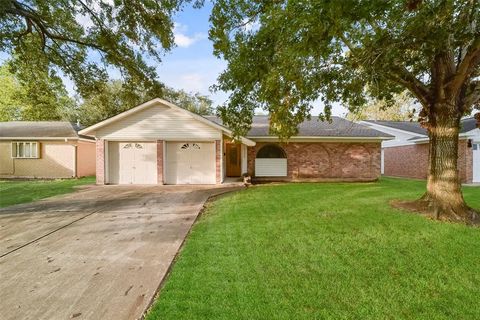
218 159
100 161
160 162
251 153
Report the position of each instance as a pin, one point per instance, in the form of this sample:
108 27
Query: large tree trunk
444 197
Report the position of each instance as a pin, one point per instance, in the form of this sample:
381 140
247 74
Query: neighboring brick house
44 149
407 154
160 143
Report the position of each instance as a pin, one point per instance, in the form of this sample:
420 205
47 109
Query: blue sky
191 65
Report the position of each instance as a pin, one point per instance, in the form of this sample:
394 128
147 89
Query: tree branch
43 29
473 95
466 66
403 77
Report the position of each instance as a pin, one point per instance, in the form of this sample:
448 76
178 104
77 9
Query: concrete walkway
99 253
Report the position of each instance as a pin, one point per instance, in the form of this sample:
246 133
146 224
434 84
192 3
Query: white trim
143 139
43 138
168 104
391 128
401 144
222 175
320 139
164 162
106 161
419 141
426 140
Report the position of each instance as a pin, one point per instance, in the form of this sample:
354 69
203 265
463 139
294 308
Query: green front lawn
15 192
324 251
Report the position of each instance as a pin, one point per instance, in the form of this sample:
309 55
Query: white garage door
476 162
190 163
132 162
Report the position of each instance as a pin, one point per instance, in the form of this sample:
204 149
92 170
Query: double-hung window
25 150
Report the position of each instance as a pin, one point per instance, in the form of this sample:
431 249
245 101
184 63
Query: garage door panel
145 163
126 163
132 163
113 163
190 163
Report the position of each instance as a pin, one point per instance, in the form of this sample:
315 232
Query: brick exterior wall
465 162
327 161
100 161
218 160
86 159
160 162
406 161
412 161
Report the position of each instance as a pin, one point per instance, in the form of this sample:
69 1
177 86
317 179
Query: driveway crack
48 233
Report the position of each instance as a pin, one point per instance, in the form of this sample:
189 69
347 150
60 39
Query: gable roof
39 129
153 102
339 127
467 125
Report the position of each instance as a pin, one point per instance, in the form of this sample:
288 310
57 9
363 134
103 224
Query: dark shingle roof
467 124
339 127
39 129
413 127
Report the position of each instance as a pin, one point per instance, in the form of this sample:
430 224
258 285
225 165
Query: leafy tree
10 90
83 38
195 102
43 99
282 55
402 108
116 97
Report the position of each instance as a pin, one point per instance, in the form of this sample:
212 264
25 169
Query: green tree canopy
84 38
402 108
284 55
116 97
43 99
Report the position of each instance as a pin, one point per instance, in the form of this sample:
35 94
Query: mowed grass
324 251
15 191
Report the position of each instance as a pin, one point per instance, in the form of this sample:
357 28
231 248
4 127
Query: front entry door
233 160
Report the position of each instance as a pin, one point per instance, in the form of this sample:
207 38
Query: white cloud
195 74
182 39
84 20
193 82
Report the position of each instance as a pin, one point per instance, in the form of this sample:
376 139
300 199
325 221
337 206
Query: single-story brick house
158 142
407 154
45 149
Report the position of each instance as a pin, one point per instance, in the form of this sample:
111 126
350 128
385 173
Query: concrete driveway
99 253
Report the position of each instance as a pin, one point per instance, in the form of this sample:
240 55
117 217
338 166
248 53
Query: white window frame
33 149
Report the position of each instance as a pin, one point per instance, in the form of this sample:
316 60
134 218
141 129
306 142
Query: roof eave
391 128
321 138
39 138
